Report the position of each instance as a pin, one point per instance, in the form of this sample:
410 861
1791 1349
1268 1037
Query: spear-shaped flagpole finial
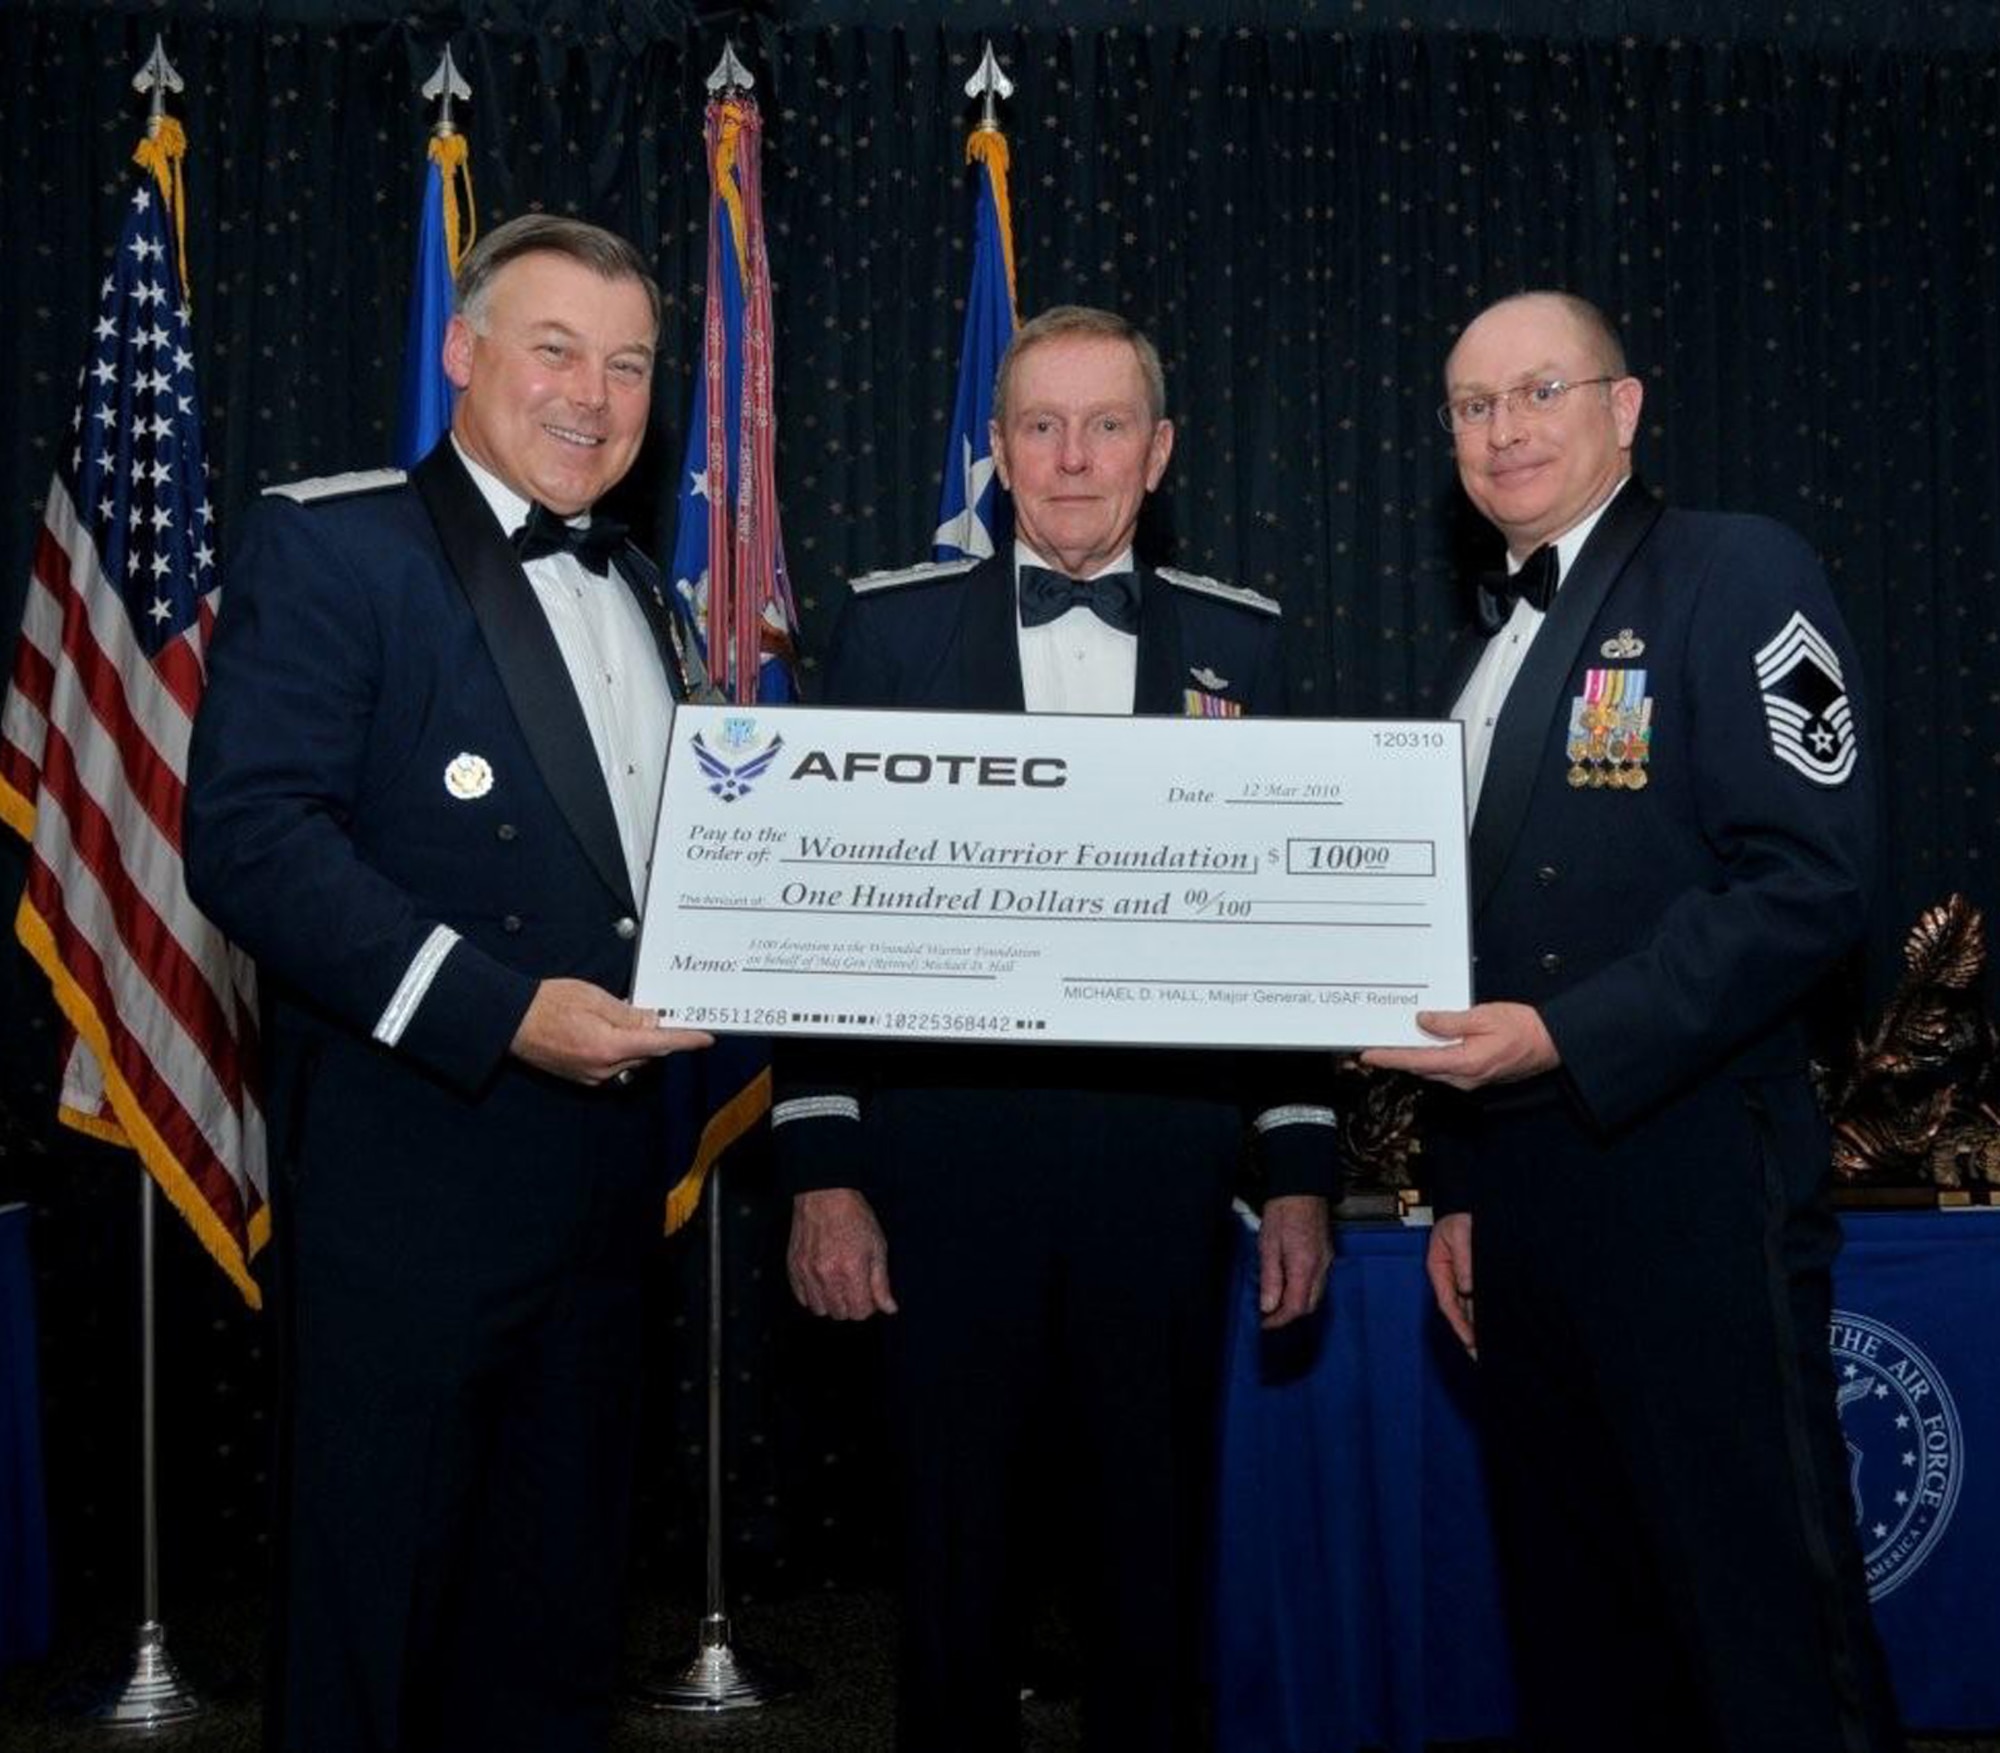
730 74
159 78
991 84
444 85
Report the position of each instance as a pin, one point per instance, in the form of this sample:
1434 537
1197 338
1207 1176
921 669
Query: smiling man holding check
1673 840
422 795
1047 1227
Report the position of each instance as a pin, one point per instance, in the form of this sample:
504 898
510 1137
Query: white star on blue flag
147 480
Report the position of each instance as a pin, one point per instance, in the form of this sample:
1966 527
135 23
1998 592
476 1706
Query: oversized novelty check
1008 877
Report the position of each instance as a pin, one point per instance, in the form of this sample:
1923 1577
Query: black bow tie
545 533
1113 597
1498 591
1535 583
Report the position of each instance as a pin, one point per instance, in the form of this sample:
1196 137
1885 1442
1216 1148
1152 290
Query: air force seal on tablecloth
1905 1452
468 777
1806 705
743 759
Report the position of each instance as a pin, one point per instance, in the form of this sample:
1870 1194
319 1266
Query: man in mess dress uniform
1673 840
423 790
1046 1229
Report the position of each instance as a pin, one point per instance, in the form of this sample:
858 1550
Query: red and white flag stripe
93 757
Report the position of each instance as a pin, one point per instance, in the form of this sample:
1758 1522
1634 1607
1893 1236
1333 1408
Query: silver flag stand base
152 1695
720 1677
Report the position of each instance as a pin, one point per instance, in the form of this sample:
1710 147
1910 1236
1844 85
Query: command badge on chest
1610 731
468 777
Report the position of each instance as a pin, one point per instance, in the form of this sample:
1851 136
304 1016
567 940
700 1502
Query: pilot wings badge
728 776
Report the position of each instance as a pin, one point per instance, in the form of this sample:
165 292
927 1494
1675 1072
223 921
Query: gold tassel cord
728 188
988 146
161 152
729 1123
450 153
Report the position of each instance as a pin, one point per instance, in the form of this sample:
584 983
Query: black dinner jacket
530 663
390 748
951 640
1669 932
948 639
1518 738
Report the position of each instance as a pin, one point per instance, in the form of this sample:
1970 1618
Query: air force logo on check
731 778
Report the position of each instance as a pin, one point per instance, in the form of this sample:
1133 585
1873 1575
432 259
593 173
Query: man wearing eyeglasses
1673 840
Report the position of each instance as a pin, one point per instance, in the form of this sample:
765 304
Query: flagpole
152 1695
446 221
735 629
971 517
718 1676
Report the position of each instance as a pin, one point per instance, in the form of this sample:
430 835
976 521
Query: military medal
1639 738
1610 729
1578 746
1599 688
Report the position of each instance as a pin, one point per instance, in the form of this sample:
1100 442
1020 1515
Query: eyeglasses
1534 400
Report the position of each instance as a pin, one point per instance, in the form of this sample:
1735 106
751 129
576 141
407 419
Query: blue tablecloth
24 1549
1358 1602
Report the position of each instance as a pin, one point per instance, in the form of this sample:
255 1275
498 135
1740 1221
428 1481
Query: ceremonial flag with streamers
729 556
445 230
970 502
729 562
161 1042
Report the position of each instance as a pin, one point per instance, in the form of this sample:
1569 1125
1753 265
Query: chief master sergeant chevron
1046 1228
1673 839
422 794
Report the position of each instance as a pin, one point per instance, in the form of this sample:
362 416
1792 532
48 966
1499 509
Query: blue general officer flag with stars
970 502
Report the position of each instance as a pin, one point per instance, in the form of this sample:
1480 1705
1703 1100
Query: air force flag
970 501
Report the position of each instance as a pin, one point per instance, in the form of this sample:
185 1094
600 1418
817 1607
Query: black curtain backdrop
1792 217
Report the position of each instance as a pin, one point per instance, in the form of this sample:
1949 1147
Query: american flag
161 1011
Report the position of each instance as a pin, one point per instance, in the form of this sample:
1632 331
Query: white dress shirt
1077 662
1478 707
613 660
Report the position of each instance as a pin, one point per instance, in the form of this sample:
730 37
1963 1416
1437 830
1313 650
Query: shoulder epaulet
1214 587
324 487
909 575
